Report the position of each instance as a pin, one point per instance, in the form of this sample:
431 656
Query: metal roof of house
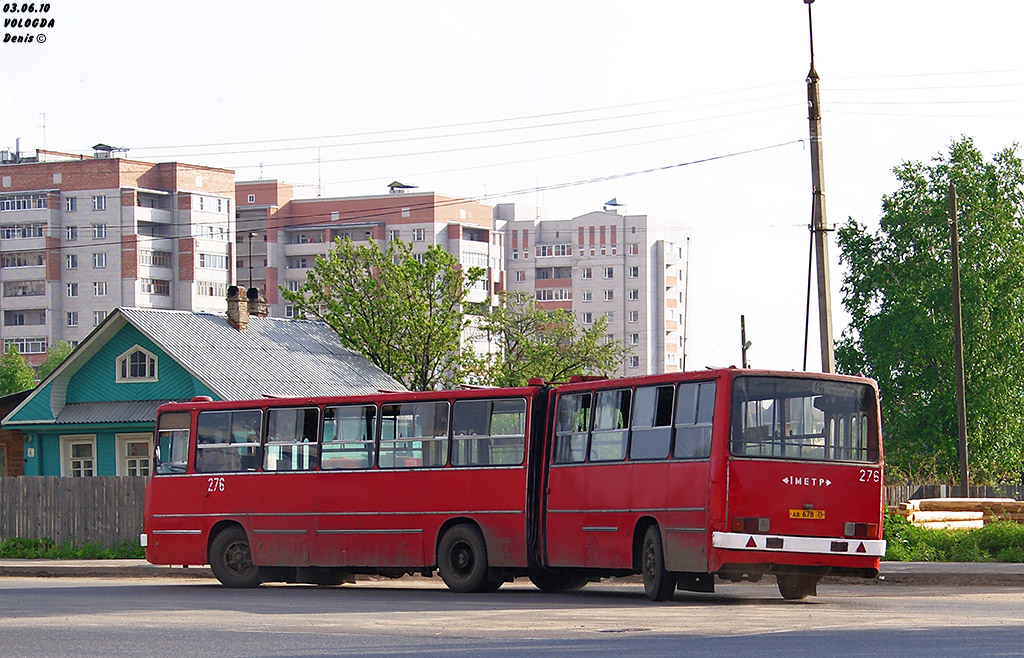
134 411
272 357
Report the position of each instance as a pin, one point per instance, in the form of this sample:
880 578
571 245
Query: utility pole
744 343
819 227
251 236
958 343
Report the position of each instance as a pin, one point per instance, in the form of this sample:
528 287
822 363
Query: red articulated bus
679 477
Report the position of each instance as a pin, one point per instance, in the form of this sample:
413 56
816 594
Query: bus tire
231 559
797 586
462 560
553 581
659 583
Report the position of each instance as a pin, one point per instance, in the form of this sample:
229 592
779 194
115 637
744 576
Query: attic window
136 365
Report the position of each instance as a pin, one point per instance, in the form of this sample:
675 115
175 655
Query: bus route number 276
870 475
214 485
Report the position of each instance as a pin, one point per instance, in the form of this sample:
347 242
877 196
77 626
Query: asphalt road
183 617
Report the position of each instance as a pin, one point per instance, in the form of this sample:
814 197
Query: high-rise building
81 236
286 233
627 268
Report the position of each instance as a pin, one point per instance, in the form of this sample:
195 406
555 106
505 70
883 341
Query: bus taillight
860 530
750 524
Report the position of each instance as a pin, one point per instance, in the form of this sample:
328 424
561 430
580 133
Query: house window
634 316
71 262
136 365
418 235
213 261
154 286
634 294
78 456
134 454
72 318
520 276
587 317
251 198
609 295
587 273
393 234
98 316
99 231
633 249
634 339
609 272
99 288
634 272
634 362
99 261
70 204
289 311
406 212
72 290
71 232
586 295
99 202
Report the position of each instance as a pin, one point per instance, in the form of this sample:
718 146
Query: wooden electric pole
819 227
958 343
744 343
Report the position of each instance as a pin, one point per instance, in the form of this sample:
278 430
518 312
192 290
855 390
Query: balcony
154 215
305 248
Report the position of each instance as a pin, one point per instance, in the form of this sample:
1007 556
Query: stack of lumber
961 513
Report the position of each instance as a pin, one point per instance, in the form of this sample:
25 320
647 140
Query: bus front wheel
231 559
462 560
659 583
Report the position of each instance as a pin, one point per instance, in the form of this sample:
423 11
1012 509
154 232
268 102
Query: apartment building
627 268
285 233
81 236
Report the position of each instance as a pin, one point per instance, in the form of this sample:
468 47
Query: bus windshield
796 418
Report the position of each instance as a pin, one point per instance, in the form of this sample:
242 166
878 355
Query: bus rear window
793 418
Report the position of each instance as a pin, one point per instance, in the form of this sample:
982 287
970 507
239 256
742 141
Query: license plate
816 514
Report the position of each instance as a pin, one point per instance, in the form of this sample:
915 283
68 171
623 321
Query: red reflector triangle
751 543
861 549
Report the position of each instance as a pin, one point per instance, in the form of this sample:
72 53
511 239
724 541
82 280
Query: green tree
534 342
54 358
404 312
898 292
15 373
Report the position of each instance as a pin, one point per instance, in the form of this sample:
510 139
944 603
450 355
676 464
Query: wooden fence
98 510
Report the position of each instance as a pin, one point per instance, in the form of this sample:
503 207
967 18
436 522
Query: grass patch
47 549
1002 541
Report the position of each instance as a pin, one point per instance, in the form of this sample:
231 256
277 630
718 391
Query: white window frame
99 260
67 442
251 198
122 441
99 202
99 231
633 272
70 204
99 288
71 318
72 289
127 378
609 272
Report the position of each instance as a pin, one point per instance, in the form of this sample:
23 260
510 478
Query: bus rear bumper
741 541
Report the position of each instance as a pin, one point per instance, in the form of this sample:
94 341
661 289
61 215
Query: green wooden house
94 414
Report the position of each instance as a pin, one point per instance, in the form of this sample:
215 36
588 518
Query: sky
691 111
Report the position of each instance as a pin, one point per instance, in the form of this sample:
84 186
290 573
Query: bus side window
488 432
413 435
348 437
227 441
573 423
611 425
652 423
695 408
291 439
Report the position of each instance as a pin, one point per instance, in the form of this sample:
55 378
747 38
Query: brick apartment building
286 233
81 236
628 268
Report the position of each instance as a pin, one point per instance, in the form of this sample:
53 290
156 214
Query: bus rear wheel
231 559
796 586
462 560
659 583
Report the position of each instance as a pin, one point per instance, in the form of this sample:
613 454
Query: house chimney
238 309
257 303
